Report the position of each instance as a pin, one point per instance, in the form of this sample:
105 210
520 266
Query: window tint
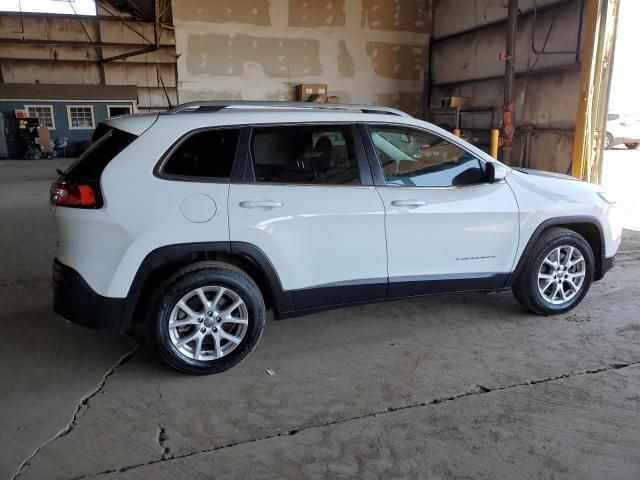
305 155
205 154
420 159
107 143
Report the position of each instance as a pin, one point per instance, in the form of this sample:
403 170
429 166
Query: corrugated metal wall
467 38
60 49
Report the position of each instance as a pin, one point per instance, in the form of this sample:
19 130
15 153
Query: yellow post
456 132
599 36
493 149
582 142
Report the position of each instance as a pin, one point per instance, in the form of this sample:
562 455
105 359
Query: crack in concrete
162 432
81 407
477 390
162 438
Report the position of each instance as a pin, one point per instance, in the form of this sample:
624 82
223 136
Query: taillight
80 195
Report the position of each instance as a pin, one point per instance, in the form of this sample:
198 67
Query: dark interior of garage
455 385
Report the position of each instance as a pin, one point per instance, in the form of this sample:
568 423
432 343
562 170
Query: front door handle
408 203
260 204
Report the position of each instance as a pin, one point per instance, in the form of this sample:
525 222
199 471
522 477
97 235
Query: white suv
196 220
622 129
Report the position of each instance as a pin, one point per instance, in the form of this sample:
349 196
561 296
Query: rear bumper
75 300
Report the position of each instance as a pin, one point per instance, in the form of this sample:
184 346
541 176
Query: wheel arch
159 264
589 227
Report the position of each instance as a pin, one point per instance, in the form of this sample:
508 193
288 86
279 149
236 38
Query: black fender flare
558 221
166 256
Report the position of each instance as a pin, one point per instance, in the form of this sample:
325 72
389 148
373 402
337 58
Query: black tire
194 276
608 141
526 289
631 146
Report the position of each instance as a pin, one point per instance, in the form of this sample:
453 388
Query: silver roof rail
216 105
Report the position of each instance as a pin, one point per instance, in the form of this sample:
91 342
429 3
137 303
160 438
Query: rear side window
207 154
307 154
107 143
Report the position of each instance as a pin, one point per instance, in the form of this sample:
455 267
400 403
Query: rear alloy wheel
557 274
208 323
206 318
631 146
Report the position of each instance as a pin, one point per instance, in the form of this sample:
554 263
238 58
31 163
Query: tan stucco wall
367 51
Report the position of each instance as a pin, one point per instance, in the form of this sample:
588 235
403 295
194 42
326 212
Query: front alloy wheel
556 273
561 275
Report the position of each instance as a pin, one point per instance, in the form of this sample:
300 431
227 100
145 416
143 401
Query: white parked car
622 130
197 220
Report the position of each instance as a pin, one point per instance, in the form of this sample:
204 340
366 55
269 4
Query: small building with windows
69 111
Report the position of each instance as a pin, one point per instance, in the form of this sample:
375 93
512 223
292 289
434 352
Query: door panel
468 230
315 236
446 228
307 206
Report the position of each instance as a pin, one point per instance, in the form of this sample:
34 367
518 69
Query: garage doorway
621 162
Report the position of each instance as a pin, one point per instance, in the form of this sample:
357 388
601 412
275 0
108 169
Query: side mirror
494 172
490 172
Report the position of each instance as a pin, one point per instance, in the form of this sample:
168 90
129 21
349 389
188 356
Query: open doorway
118 110
621 165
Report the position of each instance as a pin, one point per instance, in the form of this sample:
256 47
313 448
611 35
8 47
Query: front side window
415 158
80 117
209 154
305 154
44 114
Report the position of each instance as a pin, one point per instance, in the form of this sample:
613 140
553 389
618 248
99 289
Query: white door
309 213
447 228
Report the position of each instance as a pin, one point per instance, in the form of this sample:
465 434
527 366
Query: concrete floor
455 386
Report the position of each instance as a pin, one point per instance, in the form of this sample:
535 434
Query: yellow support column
600 20
582 141
495 136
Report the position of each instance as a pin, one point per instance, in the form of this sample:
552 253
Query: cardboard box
44 139
305 90
456 101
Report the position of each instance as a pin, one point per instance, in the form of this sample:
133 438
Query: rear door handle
408 203
260 204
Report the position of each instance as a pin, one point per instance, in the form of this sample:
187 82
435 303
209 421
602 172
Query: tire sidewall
179 286
532 282
608 144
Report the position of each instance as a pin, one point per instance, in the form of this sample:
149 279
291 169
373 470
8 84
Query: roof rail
216 105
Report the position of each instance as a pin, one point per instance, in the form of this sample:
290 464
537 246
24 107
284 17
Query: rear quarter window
204 155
